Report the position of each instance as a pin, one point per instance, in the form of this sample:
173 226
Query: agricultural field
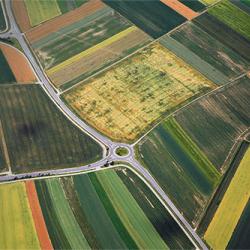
6 75
38 136
153 17
216 121
79 209
4 159
17 226
173 158
2 18
126 100
232 16
195 5
224 34
231 207
243 5
216 54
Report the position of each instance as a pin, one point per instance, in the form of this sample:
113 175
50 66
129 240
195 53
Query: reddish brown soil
21 15
18 64
40 225
180 8
59 22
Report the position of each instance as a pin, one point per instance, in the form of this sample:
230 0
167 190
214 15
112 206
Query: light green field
41 10
17 229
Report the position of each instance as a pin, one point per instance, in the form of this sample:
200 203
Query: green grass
38 135
41 10
121 151
2 19
232 16
153 17
6 75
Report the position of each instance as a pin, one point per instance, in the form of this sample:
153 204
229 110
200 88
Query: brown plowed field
37 215
21 15
18 64
180 8
57 23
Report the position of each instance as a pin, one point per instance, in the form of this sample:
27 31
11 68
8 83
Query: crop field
6 75
102 211
153 17
37 134
2 19
212 51
240 238
231 207
209 2
17 227
195 5
173 158
68 5
224 34
41 10
216 121
243 5
232 16
124 101
4 156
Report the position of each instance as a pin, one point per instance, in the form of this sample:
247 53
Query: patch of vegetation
2 19
121 151
6 75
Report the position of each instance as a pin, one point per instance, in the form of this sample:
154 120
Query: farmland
6 75
195 5
243 5
130 223
17 227
37 134
153 17
172 157
124 101
232 16
4 156
224 116
2 18
231 207
215 53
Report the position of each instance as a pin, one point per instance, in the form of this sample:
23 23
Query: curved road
105 142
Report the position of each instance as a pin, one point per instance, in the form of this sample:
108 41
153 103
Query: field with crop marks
17 226
124 101
233 16
173 158
153 17
104 210
216 121
4 155
231 207
243 5
68 5
38 136
6 75
2 18
41 10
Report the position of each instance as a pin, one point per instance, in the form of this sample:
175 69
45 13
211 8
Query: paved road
107 144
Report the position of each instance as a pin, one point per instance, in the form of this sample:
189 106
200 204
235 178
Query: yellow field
232 205
125 100
209 2
17 229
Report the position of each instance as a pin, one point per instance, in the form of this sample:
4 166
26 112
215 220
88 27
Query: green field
41 10
17 227
6 75
214 122
68 5
173 158
37 134
98 210
153 17
195 5
212 51
2 19
242 4
232 16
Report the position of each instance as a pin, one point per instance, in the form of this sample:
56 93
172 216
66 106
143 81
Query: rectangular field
195 5
124 101
173 158
153 17
17 226
104 212
38 136
6 75
231 207
216 121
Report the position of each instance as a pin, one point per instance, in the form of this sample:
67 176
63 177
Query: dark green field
153 17
224 34
106 210
195 5
2 19
240 238
37 134
173 158
242 4
6 75
68 5
214 122
211 50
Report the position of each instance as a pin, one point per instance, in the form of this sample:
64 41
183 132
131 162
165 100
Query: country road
105 142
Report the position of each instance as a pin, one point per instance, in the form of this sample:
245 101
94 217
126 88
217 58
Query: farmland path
108 145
